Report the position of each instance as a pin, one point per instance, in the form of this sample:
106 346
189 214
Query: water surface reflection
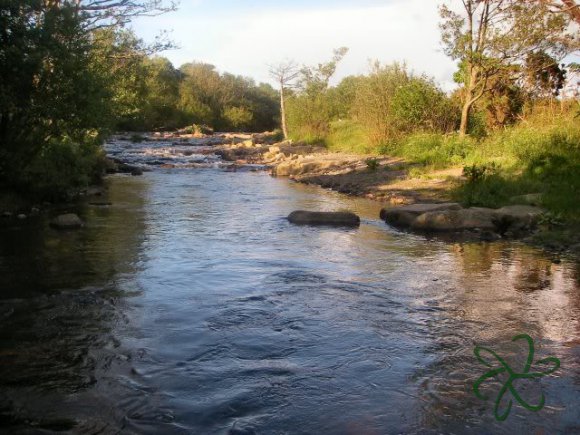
192 306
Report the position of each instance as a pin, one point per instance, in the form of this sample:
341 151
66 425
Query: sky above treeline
244 37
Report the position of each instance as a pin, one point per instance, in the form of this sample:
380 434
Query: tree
564 6
285 74
53 103
490 36
310 111
112 13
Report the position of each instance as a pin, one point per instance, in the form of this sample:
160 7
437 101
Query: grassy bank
539 155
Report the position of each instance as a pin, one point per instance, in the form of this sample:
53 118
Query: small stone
21 216
67 221
7 214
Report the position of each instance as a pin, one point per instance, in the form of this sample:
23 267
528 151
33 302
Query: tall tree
490 36
285 74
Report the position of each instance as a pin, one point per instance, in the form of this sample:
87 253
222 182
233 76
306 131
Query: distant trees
226 101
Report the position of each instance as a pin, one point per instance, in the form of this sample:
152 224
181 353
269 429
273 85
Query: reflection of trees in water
35 259
499 291
54 338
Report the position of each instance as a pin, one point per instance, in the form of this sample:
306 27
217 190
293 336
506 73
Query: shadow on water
61 295
192 306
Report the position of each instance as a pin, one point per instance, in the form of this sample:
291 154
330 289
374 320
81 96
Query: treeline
147 93
387 104
70 74
153 95
510 62
391 102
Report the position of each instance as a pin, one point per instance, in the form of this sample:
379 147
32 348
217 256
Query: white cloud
245 44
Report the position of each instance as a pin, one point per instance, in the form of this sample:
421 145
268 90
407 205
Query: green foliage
310 110
436 150
478 173
309 117
238 118
391 102
529 159
50 91
349 137
62 168
224 101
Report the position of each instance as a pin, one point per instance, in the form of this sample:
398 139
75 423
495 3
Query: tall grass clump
436 150
349 137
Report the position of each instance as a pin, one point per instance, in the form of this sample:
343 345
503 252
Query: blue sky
243 37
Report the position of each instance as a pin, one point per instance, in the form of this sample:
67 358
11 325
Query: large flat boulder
406 215
456 220
334 218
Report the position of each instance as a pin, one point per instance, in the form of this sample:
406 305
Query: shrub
372 164
62 167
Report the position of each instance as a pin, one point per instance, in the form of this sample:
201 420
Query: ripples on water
192 306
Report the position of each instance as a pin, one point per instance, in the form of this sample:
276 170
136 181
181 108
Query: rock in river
335 218
66 221
406 215
475 218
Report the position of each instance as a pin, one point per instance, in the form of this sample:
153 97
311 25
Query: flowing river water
189 305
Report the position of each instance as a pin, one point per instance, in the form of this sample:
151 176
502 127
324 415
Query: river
191 306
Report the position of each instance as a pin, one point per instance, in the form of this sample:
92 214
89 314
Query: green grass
349 137
538 155
529 159
436 150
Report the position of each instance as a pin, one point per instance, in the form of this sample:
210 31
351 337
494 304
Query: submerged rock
406 215
66 221
335 218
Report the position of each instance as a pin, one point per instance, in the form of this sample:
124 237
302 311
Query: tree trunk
468 101
283 113
465 111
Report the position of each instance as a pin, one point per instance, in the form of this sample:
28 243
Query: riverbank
381 178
